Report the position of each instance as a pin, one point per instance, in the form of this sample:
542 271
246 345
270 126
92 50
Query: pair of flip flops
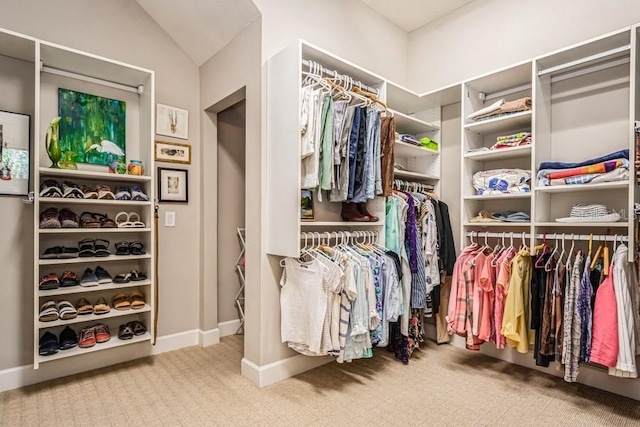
134 301
131 329
129 220
133 276
51 311
130 248
94 248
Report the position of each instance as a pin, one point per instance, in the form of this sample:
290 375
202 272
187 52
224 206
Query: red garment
487 286
604 337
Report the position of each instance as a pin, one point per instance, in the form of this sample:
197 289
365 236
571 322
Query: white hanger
547 265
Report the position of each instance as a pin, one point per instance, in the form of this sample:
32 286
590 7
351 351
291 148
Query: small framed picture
173 185
172 152
15 156
306 205
172 121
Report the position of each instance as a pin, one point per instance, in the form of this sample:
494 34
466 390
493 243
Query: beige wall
120 30
234 72
231 211
489 34
347 28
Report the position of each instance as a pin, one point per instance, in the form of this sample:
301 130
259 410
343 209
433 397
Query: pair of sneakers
96 277
93 335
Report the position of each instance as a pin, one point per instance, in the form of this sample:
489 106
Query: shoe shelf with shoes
82 209
67 342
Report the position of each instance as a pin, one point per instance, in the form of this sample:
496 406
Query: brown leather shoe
362 208
350 213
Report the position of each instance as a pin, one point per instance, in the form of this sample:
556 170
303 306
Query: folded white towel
491 108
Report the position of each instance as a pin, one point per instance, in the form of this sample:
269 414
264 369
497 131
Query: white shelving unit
61 67
508 83
579 94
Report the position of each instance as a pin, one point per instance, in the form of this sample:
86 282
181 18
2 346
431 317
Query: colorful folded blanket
622 154
602 167
618 174
522 104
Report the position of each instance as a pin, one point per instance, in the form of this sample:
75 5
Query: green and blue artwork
92 128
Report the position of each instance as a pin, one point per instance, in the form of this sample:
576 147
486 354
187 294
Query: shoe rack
56 67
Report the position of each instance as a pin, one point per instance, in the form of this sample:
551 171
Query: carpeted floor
443 386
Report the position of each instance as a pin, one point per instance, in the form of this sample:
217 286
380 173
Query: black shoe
68 339
48 344
103 276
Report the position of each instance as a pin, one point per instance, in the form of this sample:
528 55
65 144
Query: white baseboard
229 328
22 376
271 373
208 338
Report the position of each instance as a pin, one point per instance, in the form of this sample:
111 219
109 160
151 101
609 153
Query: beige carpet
443 386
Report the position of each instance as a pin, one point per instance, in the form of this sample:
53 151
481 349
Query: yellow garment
515 325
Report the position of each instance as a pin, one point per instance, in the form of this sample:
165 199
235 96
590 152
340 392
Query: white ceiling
413 14
201 27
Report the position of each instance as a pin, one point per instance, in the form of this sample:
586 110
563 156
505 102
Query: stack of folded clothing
513 140
500 108
612 167
507 216
409 139
502 181
590 213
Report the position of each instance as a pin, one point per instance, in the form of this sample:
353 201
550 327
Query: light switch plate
169 219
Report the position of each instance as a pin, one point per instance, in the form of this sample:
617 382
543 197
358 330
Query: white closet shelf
84 289
340 224
500 196
411 125
403 149
583 187
103 176
622 224
414 176
88 318
99 202
96 260
112 343
500 154
497 224
521 120
92 230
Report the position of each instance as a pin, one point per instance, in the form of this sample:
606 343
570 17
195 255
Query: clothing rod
589 70
89 79
550 236
334 73
596 57
505 92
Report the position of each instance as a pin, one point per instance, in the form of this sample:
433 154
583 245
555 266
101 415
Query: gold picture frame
172 152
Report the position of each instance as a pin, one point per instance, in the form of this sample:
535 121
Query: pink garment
479 263
502 287
487 286
604 338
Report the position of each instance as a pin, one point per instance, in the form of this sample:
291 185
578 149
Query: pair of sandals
85 307
100 191
133 276
130 248
52 281
134 301
60 252
68 190
51 311
52 218
49 345
134 193
129 220
131 329
94 248
96 220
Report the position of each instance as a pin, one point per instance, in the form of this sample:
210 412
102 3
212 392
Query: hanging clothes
604 341
626 364
572 321
515 322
